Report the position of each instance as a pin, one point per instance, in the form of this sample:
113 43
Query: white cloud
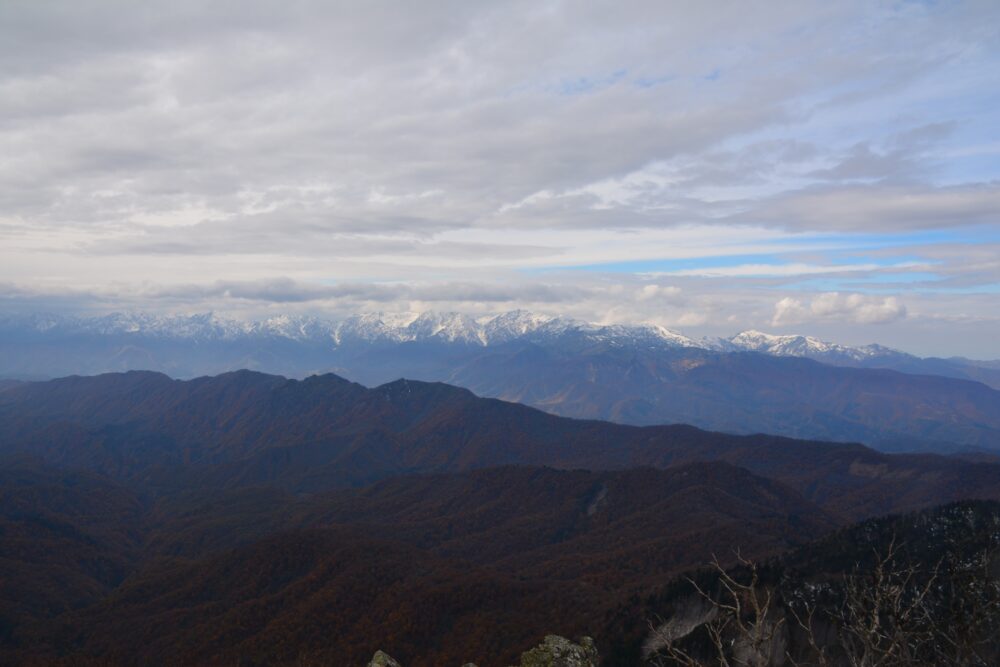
834 306
658 292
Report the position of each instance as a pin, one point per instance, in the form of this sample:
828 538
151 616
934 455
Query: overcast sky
830 168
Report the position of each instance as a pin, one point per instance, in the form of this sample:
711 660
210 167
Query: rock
558 651
555 651
381 659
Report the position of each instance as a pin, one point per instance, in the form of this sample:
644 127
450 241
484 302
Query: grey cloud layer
225 154
391 117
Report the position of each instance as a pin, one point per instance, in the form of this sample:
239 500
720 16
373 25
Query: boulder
381 659
555 651
558 651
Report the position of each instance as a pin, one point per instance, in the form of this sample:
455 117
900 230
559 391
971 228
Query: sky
829 168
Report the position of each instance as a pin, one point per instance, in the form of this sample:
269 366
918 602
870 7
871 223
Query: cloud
658 292
794 269
834 306
251 155
881 207
115 112
285 291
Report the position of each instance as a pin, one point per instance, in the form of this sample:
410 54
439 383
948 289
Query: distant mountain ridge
450 327
367 327
753 382
804 346
324 432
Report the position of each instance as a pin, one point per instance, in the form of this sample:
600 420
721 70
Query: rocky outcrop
381 659
555 651
558 651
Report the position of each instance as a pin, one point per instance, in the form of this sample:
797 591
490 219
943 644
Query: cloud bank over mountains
832 167
856 308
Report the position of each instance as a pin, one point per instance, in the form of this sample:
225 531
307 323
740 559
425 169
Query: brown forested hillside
250 519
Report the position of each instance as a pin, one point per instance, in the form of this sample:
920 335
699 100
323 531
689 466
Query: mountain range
247 428
253 519
453 328
643 375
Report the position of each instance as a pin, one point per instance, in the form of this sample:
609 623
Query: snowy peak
632 334
450 327
513 325
793 345
295 328
655 331
370 327
528 326
429 326
802 346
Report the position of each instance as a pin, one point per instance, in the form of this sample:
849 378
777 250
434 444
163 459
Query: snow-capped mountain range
430 326
802 346
638 374
493 330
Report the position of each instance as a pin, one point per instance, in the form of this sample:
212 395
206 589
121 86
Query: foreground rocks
558 651
555 651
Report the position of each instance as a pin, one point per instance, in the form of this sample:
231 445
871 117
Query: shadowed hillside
324 432
432 568
251 518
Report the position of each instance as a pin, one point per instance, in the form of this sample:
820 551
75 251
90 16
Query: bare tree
744 631
805 621
884 620
891 613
